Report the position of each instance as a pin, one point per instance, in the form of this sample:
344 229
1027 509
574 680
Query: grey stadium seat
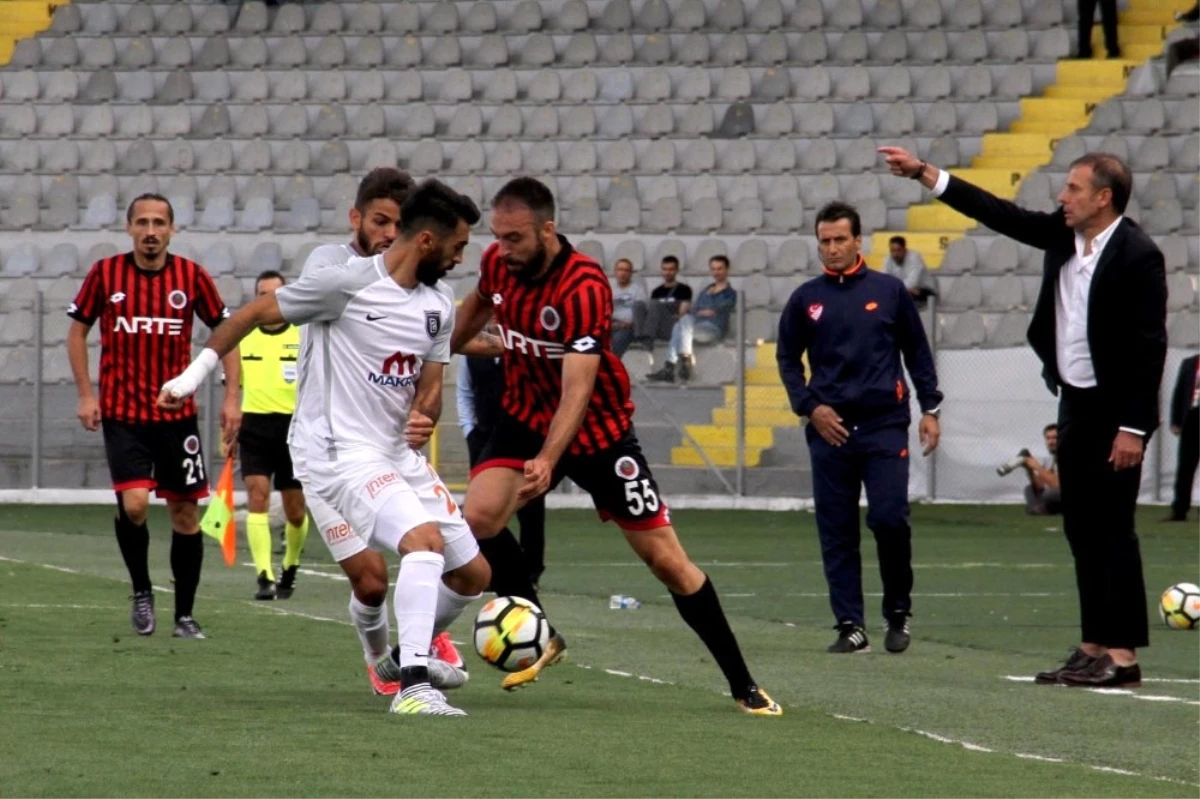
967 330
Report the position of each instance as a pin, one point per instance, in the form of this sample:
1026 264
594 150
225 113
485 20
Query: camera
1016 463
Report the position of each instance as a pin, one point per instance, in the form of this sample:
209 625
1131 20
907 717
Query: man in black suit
1185 423
1099 329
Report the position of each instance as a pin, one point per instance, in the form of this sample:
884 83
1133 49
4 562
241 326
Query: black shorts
165 456
263 448
618 478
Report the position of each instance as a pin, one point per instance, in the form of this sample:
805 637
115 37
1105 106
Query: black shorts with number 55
165 456
618 478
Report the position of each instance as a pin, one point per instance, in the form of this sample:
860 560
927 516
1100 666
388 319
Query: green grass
275 703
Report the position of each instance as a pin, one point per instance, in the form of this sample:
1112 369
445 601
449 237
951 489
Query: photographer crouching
1042 496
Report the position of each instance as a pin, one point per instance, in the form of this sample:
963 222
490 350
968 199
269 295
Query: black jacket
1127 307
1185 384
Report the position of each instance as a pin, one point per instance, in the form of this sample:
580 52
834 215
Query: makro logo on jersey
519 342
149 324
399 371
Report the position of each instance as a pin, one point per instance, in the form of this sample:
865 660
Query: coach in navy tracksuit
855 324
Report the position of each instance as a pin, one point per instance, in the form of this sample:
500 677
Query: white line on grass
36 606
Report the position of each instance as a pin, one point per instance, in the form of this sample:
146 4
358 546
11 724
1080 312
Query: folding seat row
972 329
1146 116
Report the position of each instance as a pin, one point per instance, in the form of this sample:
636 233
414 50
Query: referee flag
218 519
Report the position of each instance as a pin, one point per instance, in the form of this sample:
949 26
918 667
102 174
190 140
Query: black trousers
532 517
1189 458
1098 505
1087 17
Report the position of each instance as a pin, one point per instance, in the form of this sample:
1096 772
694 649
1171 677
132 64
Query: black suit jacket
1127 306
1181 399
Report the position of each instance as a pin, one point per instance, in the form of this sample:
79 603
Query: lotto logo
376 485
337 533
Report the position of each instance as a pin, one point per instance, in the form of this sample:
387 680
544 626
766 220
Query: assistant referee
268 401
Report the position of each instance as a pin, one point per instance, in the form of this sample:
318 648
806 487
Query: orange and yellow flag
218 519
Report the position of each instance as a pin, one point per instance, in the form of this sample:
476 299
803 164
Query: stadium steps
1065 106
20 19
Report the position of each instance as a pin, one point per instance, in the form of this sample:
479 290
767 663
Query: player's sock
371 624
134 542
510 572
258 534
416 599
450 605
295 542
187 555
702 612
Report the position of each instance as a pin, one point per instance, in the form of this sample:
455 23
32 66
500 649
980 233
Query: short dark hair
670 259
383 183
529 192
433 204
620 261
150 196
269 274
1052 426
897 240
836 210
1109 172
723 259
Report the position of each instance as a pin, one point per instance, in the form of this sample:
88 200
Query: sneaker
555 652
186 627
446 676
758 703
287 583
686 366
898 636
423 700
444 649
141 616
266 587
851 638
664 375
384 675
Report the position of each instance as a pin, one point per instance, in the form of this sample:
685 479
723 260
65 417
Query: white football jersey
366 342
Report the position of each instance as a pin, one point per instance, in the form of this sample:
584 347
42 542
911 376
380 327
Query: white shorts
341 540
359 485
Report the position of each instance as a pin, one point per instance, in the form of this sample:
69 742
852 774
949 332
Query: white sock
450 606
416 600
372 627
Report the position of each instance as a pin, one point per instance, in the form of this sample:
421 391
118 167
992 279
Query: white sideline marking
1028 756
36 606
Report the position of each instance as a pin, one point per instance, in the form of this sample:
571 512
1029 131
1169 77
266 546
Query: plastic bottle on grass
623 602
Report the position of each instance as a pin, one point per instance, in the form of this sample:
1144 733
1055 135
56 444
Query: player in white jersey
368 398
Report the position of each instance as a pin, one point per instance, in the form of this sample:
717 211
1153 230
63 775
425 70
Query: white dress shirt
1072 350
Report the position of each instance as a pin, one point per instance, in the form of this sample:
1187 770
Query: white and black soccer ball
511 633
1179 606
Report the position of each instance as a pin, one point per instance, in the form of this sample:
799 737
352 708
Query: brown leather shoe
1104 673
1076 660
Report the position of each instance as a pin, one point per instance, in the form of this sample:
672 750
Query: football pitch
276 703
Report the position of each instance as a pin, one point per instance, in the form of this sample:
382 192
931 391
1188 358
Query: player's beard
364 244
531 268
430 270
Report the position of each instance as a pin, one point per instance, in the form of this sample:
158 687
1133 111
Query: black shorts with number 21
165 456
618 478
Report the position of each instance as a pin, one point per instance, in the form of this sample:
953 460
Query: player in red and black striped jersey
144 301
567 413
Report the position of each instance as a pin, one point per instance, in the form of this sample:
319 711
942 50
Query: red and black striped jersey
569 309
145 330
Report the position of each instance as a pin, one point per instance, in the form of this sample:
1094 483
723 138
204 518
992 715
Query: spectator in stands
668 304
628 294
1108 18
1185 423
909 266
1185 49
706 323
1042 495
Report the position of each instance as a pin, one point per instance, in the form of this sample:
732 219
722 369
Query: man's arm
469 320
918 358
1034 228
426 405
231 406
1144 298
685 303
464 397
89 409
789 352
578 380
1181 395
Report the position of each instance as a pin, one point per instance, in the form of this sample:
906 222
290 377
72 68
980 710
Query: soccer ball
1180 606
511 633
